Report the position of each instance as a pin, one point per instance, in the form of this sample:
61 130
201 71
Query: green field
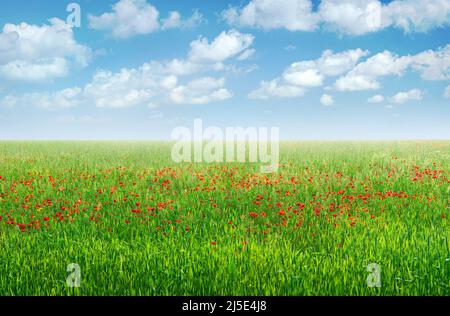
138 224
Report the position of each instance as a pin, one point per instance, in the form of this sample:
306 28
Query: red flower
263 214
46 218
186 228
253 214
127 221
213 243
138 204
281 212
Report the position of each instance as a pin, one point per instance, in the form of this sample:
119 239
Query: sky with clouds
136 69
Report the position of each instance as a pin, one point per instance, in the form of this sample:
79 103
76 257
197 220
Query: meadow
137 223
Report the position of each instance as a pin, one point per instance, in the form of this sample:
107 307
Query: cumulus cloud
174 20
308 74
402 97
200 91
376 99
353 17
128 18
364 76
159 82
153 83
66 98
430 64
228 44
293 15
34 53
274 88
433 65
137 17
326 100
312 73
417 15
39 70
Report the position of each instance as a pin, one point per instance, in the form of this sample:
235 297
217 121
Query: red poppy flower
281 212
253 214
213 243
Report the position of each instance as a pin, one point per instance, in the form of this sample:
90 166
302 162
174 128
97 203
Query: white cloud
364 76
137 17
200 91
353 82
160 82
129 87
327 100
354 17
334 64
311 73
274 88
228 44
417 15
293 15
66 98
430 64
308 74
153 83
447 92
305 78
402 97
174 20
376 99
34 53
433 65
129 18
39 70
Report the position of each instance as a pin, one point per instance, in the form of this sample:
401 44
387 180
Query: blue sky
136 69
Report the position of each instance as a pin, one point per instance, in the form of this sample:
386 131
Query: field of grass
138 224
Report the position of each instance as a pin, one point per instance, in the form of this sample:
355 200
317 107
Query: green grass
192 233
